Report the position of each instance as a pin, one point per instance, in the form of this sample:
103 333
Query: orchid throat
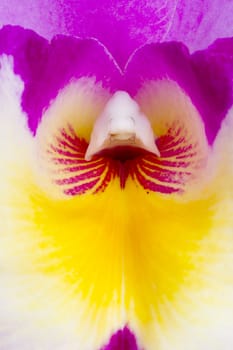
121 124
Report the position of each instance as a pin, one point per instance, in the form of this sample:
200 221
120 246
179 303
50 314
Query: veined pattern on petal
76 175
181 140
61 140
170 172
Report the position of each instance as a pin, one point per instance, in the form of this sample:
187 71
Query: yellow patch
123 253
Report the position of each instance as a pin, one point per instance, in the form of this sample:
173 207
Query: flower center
121 147
121 129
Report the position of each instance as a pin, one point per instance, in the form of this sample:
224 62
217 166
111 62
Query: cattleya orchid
116 177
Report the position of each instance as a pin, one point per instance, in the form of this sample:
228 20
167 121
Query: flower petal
205 76
88 266
196 23
62 139
46 68
49 67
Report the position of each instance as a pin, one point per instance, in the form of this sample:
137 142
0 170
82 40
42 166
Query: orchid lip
121 124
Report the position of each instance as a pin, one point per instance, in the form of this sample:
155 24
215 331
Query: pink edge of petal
125 25
47 67
205 76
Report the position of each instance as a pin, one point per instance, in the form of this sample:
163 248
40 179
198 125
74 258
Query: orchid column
116 195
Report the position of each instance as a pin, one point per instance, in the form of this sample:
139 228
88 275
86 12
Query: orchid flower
116 192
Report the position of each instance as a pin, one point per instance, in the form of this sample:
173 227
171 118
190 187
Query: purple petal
122 340
125 25
47 67
213 68
205 76
200 22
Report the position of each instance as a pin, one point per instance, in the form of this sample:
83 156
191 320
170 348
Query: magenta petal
47 67
205 76
120 25
214 71
122 340
124 25
198 23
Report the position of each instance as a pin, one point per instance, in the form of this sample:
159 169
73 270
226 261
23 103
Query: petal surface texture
196 23
130 250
